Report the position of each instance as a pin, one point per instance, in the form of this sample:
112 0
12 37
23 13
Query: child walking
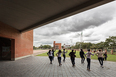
99 54
50 54
59 57
72 57
82 56
105 55
64 54
53 53
88 56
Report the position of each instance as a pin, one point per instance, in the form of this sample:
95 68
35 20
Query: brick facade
21 43
57 45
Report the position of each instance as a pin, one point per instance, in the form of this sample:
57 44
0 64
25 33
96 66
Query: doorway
5 48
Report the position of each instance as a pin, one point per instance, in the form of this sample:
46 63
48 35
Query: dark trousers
82 59
64 57
51 58
73 60
59 60
88 63
105 58
100 60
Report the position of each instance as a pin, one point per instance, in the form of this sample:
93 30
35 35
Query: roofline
77 9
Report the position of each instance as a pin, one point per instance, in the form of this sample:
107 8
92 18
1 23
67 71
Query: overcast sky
97 24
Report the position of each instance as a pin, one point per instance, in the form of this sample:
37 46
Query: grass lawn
113 53
109 58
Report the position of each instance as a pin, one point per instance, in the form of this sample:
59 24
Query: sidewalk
36 66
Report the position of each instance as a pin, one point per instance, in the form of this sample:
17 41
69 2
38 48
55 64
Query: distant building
57 45
66 46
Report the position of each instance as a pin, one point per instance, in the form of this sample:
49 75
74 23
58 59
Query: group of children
58 54
72 55
99 54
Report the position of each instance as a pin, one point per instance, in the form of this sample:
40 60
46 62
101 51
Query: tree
100 45
110 42
93 46
46 47
62 46
41 46
34 47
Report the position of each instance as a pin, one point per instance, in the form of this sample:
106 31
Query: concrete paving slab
36 66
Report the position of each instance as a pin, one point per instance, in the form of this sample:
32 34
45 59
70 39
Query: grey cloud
87 20
43 42
76 35
92 39
39 37
79 22
88 34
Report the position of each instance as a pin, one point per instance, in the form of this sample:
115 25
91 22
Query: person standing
99 54
53 53
59 57
50 54
82 56
64 54
88 56
105 55
72 57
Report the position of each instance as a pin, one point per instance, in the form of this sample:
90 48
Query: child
82 56
59 57
88 56
72 57
105 55
50 53
100 57
64 52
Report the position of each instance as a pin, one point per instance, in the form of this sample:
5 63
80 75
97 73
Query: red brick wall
59 44
23 41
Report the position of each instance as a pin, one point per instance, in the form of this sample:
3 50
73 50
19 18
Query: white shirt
64 52
50 54
99 54
88 54
59 54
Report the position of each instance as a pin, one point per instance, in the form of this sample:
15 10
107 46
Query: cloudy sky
96 25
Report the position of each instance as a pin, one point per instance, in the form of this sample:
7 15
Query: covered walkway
35 66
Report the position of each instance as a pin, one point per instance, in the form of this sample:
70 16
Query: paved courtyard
35 66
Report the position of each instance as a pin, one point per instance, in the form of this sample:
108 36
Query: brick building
18 18
57 45
13 44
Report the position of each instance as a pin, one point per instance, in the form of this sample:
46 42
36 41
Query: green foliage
110 43
82 45
35 47
45 47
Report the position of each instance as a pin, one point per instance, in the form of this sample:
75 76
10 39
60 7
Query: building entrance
5 48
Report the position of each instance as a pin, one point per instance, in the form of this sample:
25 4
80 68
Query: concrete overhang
25 15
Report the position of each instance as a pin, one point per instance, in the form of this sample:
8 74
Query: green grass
110 53
109 58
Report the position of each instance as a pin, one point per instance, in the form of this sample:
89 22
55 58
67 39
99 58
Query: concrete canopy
25 15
